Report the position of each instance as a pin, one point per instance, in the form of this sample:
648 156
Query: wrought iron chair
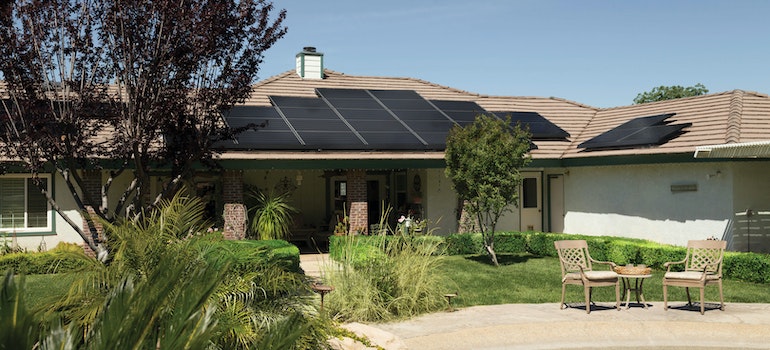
703 266
577 268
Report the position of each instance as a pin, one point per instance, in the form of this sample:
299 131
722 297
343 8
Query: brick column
235 211
359 208
92 185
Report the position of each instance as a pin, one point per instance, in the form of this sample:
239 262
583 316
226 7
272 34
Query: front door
531 202
556 203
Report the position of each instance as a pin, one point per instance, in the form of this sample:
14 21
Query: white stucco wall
637 201
440 202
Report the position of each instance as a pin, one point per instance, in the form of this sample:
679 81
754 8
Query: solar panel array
359 119
539 127
643 131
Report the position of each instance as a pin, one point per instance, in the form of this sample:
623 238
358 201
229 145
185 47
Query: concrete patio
545 326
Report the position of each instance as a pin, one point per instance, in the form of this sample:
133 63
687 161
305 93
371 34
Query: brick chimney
310 64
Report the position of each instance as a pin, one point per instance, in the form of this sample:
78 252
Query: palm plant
172 287
271 215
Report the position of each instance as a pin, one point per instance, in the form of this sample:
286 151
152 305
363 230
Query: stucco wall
637 201
440 202
751 192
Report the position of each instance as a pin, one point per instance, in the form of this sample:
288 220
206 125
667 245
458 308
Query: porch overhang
758 149
332 160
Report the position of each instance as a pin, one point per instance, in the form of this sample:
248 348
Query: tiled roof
570 116
728 117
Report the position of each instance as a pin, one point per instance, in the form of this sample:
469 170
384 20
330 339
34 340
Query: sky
599 53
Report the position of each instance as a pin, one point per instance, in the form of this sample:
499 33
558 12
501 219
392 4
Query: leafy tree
140 82
484 161
662 93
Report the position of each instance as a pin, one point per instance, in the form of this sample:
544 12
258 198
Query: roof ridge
273 78
674 99
574 142
734 116
417 80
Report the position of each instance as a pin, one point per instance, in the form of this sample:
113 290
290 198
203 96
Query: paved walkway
545 326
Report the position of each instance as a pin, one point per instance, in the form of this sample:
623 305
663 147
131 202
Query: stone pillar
359 208
235 211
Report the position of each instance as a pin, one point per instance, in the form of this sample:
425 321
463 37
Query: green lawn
519 279
526 278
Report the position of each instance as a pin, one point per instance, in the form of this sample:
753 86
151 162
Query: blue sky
600 53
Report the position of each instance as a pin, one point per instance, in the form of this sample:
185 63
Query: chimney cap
309 49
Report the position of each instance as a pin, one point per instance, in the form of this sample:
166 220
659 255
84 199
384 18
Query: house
668 171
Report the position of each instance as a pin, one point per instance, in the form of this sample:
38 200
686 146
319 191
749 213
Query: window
529 187
22 206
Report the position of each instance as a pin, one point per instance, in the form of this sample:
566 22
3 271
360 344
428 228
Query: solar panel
642 131
362 119
264 139
342 93
297 102
239 116
540 127
461 112
396 94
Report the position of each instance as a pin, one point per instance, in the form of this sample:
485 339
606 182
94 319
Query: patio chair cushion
689 275
594 275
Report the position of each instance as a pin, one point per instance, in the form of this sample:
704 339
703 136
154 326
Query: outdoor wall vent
684 188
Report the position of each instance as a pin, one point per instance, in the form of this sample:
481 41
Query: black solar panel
461 112
297 102
539 127
342 93
396 94
362 120
264 139
643 131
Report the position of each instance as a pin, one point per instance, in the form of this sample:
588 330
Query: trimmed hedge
65 257
246 255
750 267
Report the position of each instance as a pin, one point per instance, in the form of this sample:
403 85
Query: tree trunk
492 255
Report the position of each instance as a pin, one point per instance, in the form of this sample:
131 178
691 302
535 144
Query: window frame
26 230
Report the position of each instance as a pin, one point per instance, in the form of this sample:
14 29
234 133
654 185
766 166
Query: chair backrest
702 253
573 254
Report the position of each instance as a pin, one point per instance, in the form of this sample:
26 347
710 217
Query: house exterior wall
751 192
308 197
637 201
440 202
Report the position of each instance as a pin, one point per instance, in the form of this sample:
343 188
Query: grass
525 278
520 278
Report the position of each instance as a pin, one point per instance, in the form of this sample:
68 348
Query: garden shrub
623 252
65 257
510 242
464 244
248 255
749 267
379 278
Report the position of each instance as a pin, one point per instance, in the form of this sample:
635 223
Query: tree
662 93
483 162
140 83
